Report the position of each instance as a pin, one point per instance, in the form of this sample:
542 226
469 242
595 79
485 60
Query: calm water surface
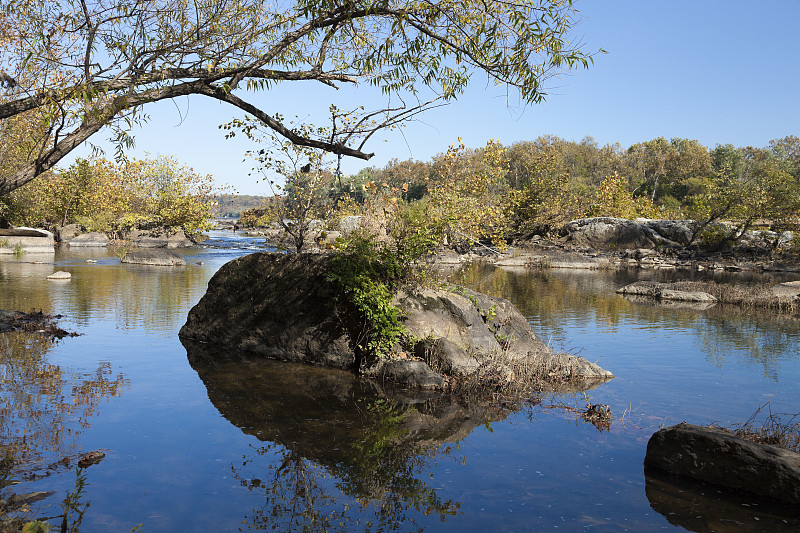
254 445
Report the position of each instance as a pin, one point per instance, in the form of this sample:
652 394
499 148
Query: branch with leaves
75 67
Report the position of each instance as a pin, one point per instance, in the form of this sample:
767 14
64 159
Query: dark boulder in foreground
284 307
154 257
608 233
716 456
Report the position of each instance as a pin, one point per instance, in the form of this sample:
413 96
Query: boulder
661 291
67 233
284 307
607 233
718 457
26 240
159 237
274 305
349 224
677 231
153 257
60 275
93 239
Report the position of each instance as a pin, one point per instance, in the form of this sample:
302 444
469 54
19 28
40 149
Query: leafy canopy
74 67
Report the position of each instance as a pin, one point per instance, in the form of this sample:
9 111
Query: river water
257 445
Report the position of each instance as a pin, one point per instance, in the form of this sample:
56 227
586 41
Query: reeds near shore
776 429
756 296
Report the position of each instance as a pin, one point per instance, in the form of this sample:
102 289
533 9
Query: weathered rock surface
60 275
154 257
68 232
92 239
661 291
715 456
26 240
159 238
283 307
349 224
274 305
678 231
614 234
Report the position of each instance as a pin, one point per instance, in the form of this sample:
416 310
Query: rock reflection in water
340 451
705 509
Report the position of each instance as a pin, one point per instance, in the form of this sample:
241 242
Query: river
259 445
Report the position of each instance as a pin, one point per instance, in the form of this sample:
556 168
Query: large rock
93 239
154 258
284 307
159 238
609 233
67 233
26 240
678 231
716 456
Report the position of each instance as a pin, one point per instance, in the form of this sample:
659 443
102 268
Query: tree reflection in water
339 452
44 407
758 337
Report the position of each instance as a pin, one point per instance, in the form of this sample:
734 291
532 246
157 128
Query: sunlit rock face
284 307
26 241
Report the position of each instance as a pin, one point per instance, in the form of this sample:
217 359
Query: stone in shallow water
155 257
716 456
60 275
90 240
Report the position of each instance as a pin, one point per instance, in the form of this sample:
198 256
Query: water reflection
549 298
133 296
704 509
45 407
341 452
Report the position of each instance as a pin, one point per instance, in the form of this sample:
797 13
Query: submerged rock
154 257
283 307
716 456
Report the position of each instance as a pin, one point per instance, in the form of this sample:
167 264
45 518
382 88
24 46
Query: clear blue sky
716 71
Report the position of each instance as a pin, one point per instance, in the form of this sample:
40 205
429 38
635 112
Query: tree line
495 192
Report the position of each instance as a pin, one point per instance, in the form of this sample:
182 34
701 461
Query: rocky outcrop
609 233
26 240
67 233
92 239
154 258
283 307
716 456
274 305
159 238
661 291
